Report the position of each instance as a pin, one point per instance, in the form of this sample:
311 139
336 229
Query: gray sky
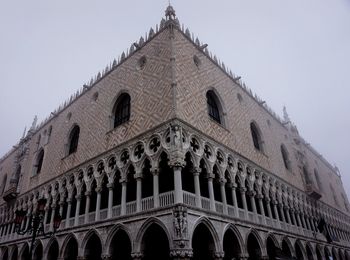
293 52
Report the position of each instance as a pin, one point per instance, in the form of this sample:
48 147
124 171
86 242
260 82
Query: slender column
288 215
234 199
178 185
98 203
46 213
211 192
155 188
261 207
293 216
87 206
138 192
197 188
242 190
123 202
77 210
251 195
280 206
275 209
61 207
110 199
69 201
53 211
223 195
268 206
303 221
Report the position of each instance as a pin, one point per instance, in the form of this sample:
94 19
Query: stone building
167 155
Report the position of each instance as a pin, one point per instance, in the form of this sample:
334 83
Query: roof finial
170 12
285 115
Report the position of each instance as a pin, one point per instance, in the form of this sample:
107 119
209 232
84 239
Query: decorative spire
285 115
35 120
170 13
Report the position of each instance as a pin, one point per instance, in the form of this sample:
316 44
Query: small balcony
313 192
11 193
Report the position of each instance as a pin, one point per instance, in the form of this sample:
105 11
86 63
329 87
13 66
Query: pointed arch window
256 136
121 110
3 185
213 106
317 177
74 139
39 162
285 157
306 176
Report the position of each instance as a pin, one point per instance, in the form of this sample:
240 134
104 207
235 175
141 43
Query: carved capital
181 253
136 255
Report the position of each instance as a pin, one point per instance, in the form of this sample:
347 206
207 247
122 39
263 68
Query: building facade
167 155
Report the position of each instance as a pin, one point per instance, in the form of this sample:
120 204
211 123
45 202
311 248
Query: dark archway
203 180
310 256
298 251
334 253
166 175
326 253
187 174
121 246
232 247
155 244
93 248
272 250
286 251
38 252
71 250
53 251
5 255
25 253
202 243
253 247
318 253
15 254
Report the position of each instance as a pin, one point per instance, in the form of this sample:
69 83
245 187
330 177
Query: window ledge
219 124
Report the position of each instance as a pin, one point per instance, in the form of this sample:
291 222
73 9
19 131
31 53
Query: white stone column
98 203
251 195
234 199
46 213
138 192
69 209
295 221
268 206
211 192
155 173
123 202
53 212
197 188
87 206
61 207
110 187
280 206
223 195
243 190
288 215
77 210
178 184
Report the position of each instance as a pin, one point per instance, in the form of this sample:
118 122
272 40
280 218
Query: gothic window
285 157
256 136
39 162
4 180
213 106
306 175
121 110
317 177
74 139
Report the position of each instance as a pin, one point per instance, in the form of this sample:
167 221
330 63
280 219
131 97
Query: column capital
110 185
106 257
181 253
136 255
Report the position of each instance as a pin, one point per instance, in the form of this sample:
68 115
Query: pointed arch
73 139
114 230
121 109
207 223
287 247
143 229
237 235
300 252
216 109
310 251
256 136
39 160
254 244
285 156
65 247
23 253
52 240
87 237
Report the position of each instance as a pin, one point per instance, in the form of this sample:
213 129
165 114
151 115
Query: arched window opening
256 136
231 246
117 191
248 195
39 162
155 244
131 185
122 110
238 193
317 177
286 250
216 184
71 250
73 203
203 243
121 246
104 193
253 247
38 252
93 197
147 180
74 139
53 251
25 253
82 200
166 176
93 248
187 175
228 189
203 181
3 184
213 107
306 175
285 157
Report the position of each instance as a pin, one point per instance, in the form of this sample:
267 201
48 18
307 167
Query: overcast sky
294 53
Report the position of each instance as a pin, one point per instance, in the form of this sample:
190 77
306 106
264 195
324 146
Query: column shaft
197 189
123 202
178 185
98 205
87 207
77 211
211 193
138 194
68 212
110 202
223 196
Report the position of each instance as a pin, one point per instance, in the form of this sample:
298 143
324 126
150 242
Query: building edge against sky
168 104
